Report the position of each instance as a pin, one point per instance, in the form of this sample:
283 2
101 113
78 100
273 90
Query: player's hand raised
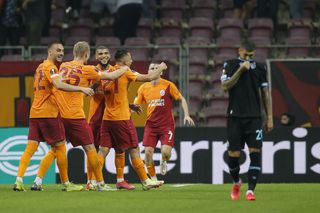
163 66
188 120
88 91
245 65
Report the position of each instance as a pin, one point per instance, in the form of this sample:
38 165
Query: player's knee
134 153
104 151
255 158
251 150
166 154
235 154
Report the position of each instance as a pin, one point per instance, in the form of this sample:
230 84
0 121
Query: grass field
300 198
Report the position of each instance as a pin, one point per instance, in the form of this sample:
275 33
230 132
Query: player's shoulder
261 66
145 86
166 82
48 65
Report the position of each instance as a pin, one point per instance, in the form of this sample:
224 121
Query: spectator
99 7
268 9
243 8
35 15
10 22
127 18
287 119
75 6
296 9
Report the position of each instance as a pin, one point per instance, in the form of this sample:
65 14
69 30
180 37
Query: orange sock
46 163
25 158
119 162
151 170
62 162
138 166
95 165
89 171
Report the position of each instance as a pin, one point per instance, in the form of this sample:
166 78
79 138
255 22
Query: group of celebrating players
57 116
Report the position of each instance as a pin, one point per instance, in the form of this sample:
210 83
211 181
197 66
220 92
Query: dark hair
120 54
101 48
53 43
248 45
291 119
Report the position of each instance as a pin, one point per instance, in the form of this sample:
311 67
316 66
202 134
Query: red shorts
46 129
152 135
119 134
78 132
95 129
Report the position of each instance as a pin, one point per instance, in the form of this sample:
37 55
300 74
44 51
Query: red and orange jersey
159 100
116 96
44 103
74 73
97 104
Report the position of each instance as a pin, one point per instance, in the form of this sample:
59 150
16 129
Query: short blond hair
80 48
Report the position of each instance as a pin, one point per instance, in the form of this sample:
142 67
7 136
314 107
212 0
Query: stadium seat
106 31
70 41
298 47
260 28
55 31
204 8
195 89
300 28
138 53
195 69
201 27
171 27
107 41
230 29
48 40
216 121
172 9
171 53
83 27
145 27
226 6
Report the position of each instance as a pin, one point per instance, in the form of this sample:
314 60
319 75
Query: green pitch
199 198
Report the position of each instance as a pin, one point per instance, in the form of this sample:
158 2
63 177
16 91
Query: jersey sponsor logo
156 102
162 92
253 65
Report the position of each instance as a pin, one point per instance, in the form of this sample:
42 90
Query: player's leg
150 140
91 179
34 138
235 140
45 163
31 148
167 142
254 141
119 161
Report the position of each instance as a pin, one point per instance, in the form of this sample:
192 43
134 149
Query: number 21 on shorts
259 134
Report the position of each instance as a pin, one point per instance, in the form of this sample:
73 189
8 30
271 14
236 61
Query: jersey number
259 134
170 135
71 74
39 80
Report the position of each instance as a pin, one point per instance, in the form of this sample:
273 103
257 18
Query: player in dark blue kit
246 82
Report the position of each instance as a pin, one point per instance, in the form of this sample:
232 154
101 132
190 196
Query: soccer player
117 128
97 105
244 79
44 123
159 95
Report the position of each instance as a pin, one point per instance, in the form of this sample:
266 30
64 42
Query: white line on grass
182 185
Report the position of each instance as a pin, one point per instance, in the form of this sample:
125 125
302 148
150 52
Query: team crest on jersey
53 71
162 92
253 65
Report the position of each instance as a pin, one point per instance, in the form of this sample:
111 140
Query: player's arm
187 119
266 101
152 75
135 108
227 84
57 83
115 74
